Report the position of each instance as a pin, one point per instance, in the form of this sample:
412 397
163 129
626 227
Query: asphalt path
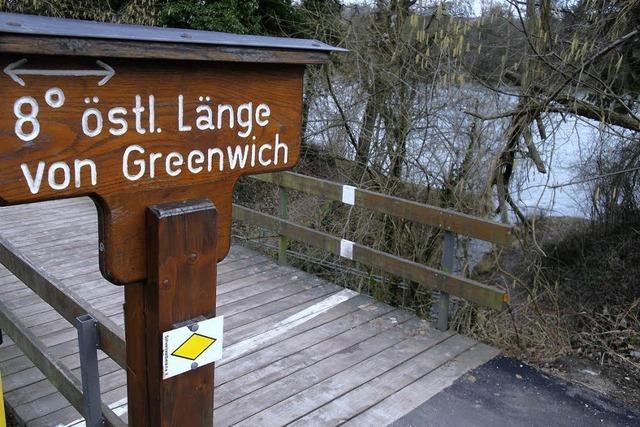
507 392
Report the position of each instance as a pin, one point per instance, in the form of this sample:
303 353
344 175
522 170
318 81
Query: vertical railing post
181 287
88 349
448 253
283 211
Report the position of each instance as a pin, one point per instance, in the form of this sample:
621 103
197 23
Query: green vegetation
272 17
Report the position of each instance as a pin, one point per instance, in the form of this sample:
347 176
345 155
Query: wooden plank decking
297 349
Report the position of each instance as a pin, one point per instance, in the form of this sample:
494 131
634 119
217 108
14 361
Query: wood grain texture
122 201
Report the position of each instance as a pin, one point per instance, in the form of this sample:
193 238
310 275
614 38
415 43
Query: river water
440 134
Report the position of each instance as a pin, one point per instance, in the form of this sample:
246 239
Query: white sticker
187 348
346 249
348 195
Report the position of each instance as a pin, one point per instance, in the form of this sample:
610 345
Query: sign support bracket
181 286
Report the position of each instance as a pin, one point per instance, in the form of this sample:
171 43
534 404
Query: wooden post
181 242
283 207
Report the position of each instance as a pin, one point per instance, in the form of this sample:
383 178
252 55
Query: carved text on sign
140 117
130 134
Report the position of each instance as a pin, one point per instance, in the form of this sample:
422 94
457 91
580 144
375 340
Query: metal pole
448 253
283 206
88 347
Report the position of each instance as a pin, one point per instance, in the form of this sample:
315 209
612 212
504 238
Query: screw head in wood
192 258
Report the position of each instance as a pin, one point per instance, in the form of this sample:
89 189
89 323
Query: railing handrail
445 219
70 306
60 376
476 292
64 300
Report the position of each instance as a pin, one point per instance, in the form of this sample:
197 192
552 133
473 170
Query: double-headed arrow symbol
14 72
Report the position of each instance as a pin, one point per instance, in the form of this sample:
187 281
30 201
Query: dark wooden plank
273 92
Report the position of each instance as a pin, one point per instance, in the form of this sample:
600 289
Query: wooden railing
109 336
451 222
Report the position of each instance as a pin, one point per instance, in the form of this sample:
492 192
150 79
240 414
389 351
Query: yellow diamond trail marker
189 347
194 346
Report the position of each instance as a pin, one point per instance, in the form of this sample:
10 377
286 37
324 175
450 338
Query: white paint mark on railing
243 347
349 195
346 249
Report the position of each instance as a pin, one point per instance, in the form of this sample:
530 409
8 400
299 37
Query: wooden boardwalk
297 349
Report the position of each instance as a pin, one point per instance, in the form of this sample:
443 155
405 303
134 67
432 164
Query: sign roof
46 26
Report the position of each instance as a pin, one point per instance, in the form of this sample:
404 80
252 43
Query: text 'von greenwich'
141 118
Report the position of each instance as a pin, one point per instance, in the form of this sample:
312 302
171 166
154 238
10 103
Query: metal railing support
283 212
448 253
88 348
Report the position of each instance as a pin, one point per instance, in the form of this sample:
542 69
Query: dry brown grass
575 295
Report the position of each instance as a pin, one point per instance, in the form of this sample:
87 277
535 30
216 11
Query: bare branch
352 138
487 118
588 110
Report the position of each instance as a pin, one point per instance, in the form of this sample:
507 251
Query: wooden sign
154 124
131 133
